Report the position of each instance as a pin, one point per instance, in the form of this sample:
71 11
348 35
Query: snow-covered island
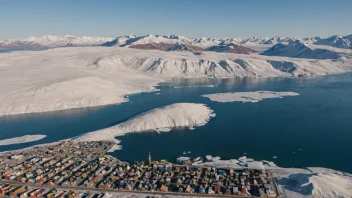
159 119
22 139
254 96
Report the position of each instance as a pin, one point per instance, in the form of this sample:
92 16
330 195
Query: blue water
319 122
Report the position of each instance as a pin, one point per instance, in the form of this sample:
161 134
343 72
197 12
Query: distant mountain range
299 49
180 43
49 41
336 41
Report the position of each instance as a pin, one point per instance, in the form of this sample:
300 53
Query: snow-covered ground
159 119
312 182
65 78
254 96
22 139
76 77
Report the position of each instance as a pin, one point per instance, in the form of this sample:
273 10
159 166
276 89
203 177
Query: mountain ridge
50 41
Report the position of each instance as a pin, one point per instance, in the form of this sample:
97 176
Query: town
82 169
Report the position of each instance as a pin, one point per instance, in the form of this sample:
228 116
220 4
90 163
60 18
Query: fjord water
312 129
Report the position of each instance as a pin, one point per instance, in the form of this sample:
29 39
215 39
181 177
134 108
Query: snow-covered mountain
153 46
126 41
336 41
276 39
185 47
231 48
272 40
298 49
49 41
179 43
149 41
253 40
121 40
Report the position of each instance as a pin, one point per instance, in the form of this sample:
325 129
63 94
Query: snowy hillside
298 49
153 46
76 77
313 183
185 47
49 41
167 117
231 48
336 41
179 43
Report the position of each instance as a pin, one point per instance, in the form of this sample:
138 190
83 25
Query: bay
312 129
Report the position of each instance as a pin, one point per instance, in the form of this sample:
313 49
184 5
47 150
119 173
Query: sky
190 18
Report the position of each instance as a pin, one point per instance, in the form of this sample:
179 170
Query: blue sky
191 18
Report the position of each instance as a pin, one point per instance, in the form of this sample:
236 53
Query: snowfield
313 183
76 77
159 119
65 78
22 139
255 96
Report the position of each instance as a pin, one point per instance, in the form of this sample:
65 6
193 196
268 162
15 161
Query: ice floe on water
193 86
163 129
161 119
254 96
22 139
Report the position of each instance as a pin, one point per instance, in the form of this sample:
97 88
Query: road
77 188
